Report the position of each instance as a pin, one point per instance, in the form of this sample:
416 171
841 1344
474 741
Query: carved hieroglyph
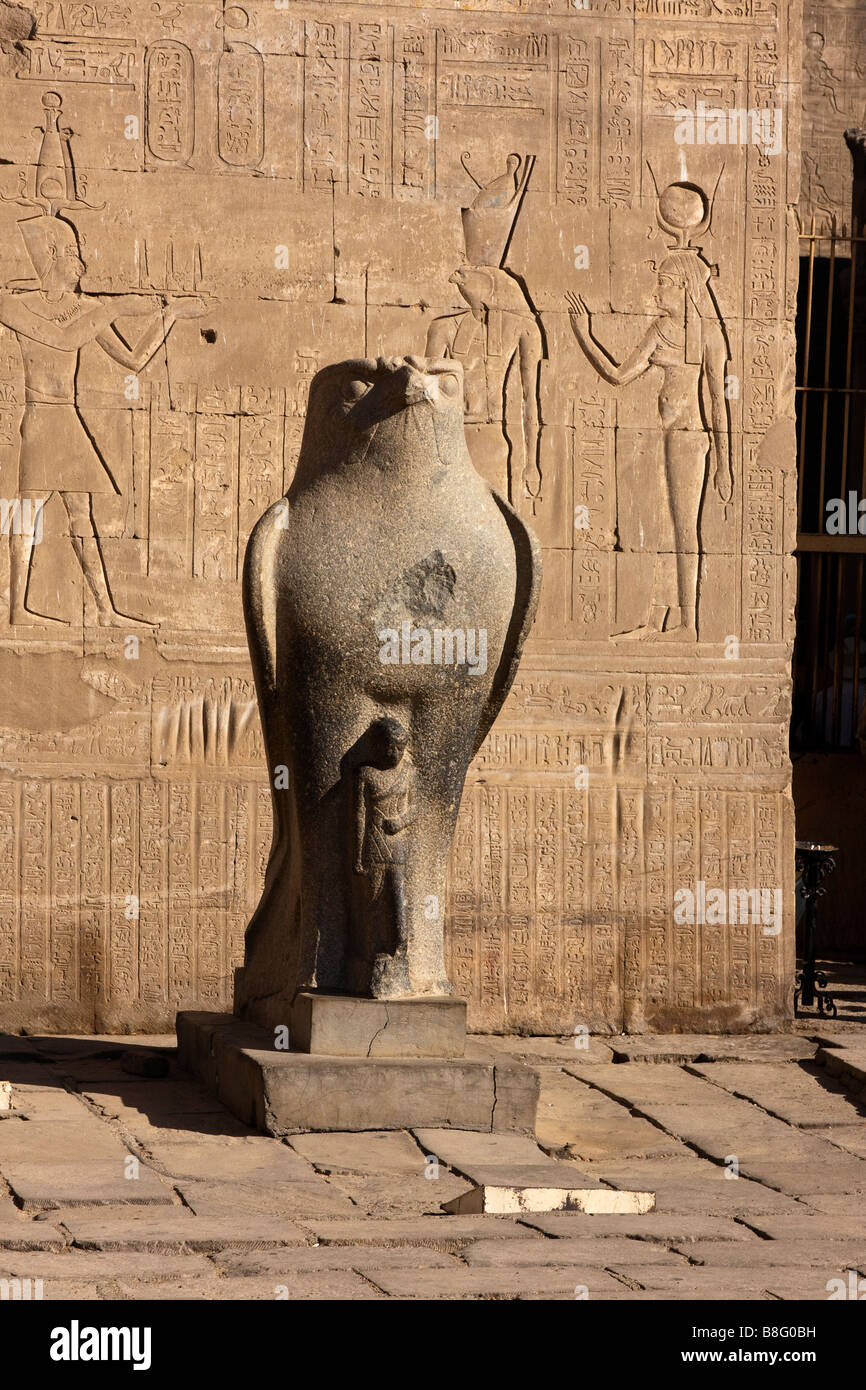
834 100
205 203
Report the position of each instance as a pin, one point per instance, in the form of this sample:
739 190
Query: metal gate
830 647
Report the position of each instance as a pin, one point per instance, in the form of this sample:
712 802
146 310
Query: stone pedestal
385 1083
342 1026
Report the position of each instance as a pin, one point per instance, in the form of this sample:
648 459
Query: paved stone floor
118 1185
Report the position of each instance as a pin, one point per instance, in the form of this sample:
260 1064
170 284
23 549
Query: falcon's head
396 412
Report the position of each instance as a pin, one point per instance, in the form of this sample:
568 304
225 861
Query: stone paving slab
52 1184
577 1050
695 1186
814 1226
49 1104
19 1231
665 1083
204 1124
279 1263
407 1194
663 1226
221 1159
366 1151
601 1251
841 1173
464 1149
153 1099
290 1200
832 1255
582 1123
805 1096
330 1285
480 1283
739 1128
89 1264
508 1175
442 1232
707 1047
29 1071
28 1141
844 1205
74 1291
851 1138
172 1229
736 1283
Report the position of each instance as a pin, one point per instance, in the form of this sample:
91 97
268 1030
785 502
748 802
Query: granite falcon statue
387 600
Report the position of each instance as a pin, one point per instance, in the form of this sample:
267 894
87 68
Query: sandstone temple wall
302 169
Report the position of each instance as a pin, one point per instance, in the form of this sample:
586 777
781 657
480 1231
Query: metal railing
830 648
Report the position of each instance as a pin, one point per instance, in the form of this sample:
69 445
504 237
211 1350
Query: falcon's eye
355 390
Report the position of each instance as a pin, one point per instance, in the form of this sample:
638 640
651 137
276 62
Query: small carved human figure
687 341
385 805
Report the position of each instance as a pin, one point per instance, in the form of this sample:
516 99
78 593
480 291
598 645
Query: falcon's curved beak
424 381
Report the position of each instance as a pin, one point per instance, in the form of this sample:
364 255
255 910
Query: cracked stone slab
340 1026
581 1122
288 1093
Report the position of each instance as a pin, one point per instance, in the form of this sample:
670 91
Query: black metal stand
814 862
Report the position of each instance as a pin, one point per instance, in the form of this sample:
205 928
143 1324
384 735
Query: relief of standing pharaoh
498 333
688 342
52 323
